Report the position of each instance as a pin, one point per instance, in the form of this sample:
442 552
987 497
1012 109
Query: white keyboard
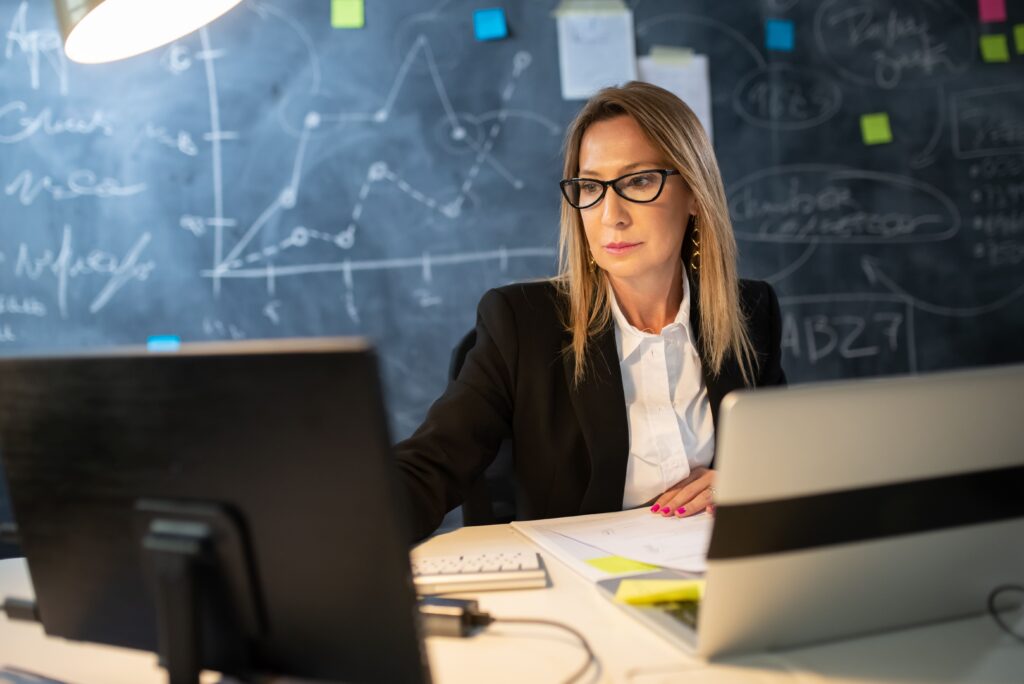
492 571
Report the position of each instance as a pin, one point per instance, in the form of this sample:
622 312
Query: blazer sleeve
771 369
464 428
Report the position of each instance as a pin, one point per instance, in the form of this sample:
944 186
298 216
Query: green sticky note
347 14
995 48
874 128
617 565
640 591
1018 38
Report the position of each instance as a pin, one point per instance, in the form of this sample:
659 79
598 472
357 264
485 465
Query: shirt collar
630 336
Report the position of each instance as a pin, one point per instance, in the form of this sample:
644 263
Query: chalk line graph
241 260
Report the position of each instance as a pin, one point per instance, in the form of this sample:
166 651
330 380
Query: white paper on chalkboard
687 78
595 46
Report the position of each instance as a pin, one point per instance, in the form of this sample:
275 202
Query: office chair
492 498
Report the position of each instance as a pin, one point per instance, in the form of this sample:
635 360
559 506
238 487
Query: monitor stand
207 610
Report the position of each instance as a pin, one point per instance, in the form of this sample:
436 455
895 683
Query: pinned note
163 343
684 74
779 34
992 10
595 46
670 54
875 129
617 565
490 24
1018 38
348 14
995 48
641 591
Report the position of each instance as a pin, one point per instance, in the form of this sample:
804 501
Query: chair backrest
493 496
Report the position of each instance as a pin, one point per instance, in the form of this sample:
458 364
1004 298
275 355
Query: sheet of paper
688 79
679 543
583 559
595 46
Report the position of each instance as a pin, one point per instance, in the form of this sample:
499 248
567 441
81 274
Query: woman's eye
639 181
589 187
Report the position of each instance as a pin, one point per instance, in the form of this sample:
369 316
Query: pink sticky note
992 10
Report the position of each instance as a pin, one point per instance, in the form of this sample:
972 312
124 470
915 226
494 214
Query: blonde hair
675 131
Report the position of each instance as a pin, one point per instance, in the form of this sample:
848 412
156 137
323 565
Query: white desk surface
963 651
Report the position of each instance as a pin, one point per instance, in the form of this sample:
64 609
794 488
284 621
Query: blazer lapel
600 407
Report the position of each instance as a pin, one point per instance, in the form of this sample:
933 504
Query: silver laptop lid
851 507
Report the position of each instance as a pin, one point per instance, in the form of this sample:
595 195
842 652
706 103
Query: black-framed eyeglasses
638 186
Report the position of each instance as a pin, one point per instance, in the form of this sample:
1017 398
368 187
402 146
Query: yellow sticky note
347 14
1018 38
639 591
874 128
617 565
995 48
668 54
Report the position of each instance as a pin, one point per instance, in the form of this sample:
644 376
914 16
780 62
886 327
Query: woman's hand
688 497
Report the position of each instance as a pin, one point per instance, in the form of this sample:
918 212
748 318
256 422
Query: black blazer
571 445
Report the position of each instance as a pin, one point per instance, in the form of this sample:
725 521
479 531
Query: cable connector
20 609
451 617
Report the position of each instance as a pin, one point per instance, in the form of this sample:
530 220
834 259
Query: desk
963 651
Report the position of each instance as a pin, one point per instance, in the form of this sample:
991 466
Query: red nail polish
666 511
681 510
654 508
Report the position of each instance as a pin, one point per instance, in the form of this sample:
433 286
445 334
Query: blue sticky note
778 34
490 24
163 343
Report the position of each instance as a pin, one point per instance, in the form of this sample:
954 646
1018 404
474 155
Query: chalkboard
273 176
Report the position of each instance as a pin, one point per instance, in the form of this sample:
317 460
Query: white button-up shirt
667 407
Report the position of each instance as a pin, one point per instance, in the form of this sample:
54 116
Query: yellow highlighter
643 591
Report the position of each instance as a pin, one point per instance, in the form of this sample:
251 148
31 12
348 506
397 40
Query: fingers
663 501
686 498
686 503
697 504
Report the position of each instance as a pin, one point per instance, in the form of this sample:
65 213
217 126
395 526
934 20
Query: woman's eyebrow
626 168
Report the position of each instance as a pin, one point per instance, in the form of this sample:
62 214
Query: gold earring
695 242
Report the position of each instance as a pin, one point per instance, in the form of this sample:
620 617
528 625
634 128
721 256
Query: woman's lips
621 247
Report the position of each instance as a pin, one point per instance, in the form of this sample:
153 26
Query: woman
608 377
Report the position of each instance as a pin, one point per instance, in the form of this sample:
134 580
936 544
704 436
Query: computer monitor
230 506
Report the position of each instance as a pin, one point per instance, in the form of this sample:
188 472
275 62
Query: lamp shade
98 31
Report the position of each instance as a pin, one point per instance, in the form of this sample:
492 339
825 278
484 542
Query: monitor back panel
296 443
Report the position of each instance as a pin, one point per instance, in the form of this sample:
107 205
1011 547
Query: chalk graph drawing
474 133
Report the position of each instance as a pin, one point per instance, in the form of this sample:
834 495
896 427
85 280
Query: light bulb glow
117 29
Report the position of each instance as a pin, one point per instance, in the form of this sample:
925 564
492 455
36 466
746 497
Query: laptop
854 507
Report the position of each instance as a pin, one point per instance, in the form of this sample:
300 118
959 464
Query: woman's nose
613 209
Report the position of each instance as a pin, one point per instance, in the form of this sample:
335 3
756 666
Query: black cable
484 619
995 613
